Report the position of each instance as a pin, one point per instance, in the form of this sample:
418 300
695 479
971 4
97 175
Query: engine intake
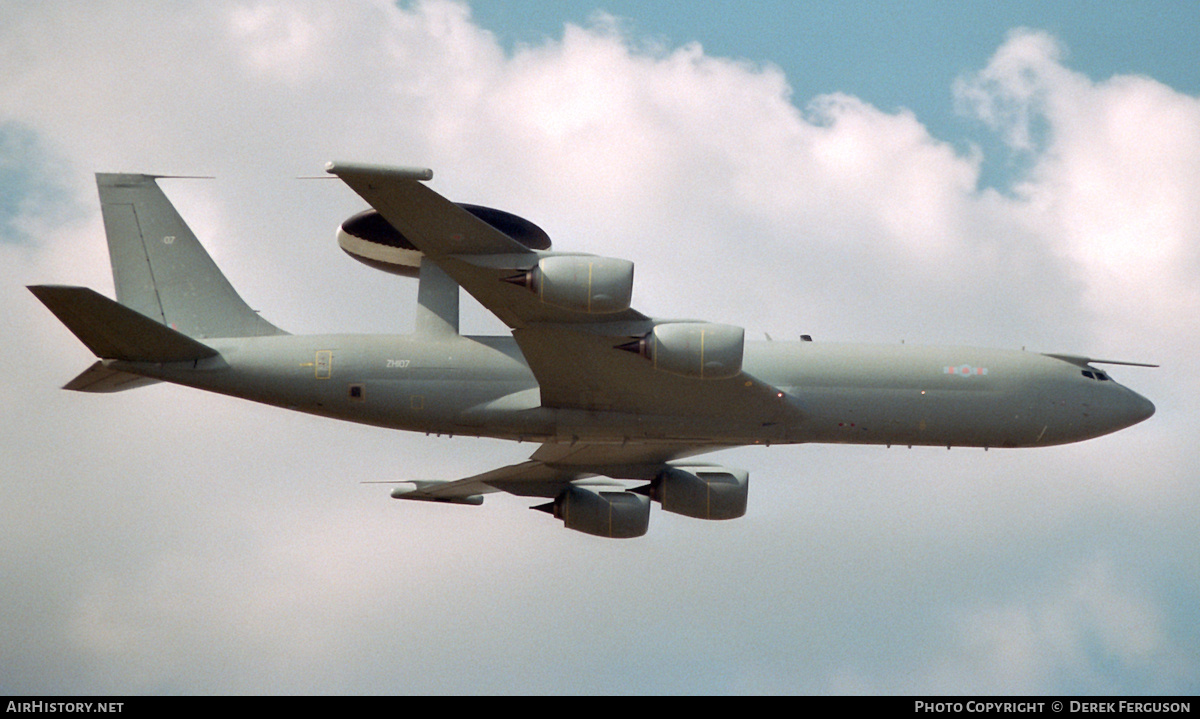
584 283
694 349
702 492
602 513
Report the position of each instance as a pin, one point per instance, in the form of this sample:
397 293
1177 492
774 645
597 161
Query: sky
1021 177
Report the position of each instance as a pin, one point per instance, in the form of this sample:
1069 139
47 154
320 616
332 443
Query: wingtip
422 174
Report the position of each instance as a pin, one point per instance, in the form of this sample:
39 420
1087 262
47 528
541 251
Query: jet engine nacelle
702 492
372 240
584 283
694 349
615 514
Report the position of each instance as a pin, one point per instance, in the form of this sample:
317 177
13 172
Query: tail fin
160 269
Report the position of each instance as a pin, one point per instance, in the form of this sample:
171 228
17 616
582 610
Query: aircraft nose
1136 409
1144 407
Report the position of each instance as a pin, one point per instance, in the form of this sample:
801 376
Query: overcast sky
1024 177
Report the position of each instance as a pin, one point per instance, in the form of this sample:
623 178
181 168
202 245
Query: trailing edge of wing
113 331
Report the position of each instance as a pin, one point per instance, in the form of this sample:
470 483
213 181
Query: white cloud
1114 186
1073 634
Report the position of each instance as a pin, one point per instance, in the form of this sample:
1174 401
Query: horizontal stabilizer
101 378
113 331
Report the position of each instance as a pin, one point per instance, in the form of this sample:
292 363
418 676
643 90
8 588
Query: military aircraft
620 403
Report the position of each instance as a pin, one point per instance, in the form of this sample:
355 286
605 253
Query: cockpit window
1095 374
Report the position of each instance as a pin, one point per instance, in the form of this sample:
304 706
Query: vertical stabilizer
437 302
161 270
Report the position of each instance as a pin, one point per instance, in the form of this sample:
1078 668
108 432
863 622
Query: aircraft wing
575 354
551 468
478 256
581 366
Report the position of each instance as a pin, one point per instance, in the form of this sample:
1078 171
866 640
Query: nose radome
1142 408
1132 408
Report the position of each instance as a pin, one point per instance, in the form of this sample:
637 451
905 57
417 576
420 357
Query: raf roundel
965 371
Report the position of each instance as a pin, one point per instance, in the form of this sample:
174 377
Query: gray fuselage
845 393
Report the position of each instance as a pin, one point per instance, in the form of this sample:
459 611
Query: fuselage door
324 364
